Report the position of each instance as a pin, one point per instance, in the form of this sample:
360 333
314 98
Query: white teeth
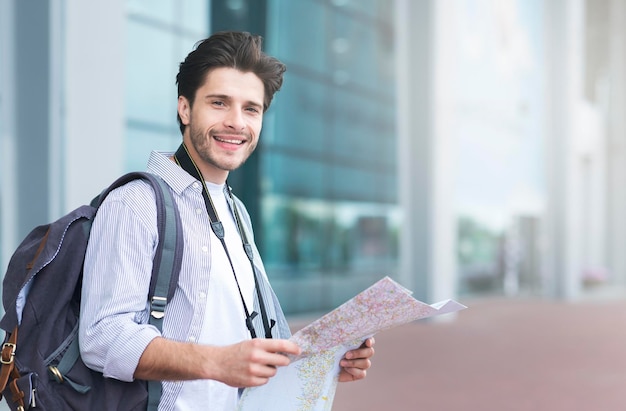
229 141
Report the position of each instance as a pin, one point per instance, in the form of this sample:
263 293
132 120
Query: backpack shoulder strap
168 255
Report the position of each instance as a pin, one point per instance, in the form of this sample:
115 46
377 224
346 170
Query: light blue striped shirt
114 329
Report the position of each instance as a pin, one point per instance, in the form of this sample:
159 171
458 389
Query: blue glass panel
151 73
300 112
194 16
161 10
139 144
302 27
298 176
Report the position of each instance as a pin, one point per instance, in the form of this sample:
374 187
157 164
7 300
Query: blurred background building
462 147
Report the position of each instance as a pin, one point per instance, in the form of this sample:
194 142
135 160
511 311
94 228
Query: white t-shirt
224 320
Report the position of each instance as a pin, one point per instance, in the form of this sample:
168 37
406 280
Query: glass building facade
445 144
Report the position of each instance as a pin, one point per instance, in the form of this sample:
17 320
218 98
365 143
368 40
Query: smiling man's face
224 123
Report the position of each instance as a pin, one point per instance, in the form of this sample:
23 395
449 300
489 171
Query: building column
615 106
563 223
30 101
428 241
8 153
93 67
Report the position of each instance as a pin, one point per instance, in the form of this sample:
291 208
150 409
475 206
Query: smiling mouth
229 141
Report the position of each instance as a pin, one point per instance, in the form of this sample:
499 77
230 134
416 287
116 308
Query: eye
253 110
219 103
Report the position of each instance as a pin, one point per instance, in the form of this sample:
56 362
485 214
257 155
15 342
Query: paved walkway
500 355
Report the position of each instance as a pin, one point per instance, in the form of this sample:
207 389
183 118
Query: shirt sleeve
114 329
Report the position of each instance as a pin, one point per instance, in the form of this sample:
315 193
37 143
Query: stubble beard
201 142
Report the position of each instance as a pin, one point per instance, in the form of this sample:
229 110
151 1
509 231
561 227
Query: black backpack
40 360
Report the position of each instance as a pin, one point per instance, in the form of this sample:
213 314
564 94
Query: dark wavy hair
234 49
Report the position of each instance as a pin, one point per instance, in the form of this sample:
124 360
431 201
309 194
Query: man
207 348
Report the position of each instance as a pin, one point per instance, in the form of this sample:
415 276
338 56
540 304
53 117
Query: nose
235 119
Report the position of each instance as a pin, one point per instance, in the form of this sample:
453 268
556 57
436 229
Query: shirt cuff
123 357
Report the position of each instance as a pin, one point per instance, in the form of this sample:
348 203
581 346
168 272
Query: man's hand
253 362
355 364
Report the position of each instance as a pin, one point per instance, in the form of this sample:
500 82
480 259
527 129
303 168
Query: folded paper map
309 382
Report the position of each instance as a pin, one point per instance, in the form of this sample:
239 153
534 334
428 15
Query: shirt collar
179 180
160 163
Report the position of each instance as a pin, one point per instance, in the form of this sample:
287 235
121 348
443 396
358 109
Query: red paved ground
500 355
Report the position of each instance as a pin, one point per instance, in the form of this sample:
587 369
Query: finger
256 381
361 364
280 346
352 374
277 360
264 371
360 353
273 352
263 358
289 347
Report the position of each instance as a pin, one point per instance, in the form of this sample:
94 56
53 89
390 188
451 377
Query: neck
207 172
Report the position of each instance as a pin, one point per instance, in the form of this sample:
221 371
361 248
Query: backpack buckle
8 353
56 374
158 307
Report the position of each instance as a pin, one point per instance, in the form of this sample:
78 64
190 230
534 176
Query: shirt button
198 211
205 249
202 295
192 339
196 185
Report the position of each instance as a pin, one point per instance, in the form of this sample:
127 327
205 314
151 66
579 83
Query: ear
184 109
